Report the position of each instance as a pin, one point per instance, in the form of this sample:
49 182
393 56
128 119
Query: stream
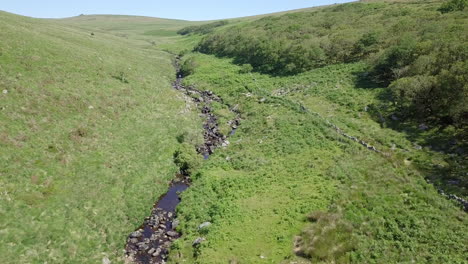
151 242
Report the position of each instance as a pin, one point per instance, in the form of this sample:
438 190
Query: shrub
453 5
413 94
121 76
202 29
187 159
246 68
434 87
366 45
188 67
394 61
411 46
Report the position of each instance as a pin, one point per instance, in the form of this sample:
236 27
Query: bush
434 87
187 159
366 45
453 5
246 68
410 48
188 67
394 61
202 29
413 94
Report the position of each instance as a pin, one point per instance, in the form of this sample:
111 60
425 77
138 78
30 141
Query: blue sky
181 9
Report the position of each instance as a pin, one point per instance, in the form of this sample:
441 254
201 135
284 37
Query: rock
416 146
167 244
143 246
157 252
198 241
5 91
175 223
90 107
172 233
423 127
106 260
394 118
133 240
151 251
454 182
136 234
206 224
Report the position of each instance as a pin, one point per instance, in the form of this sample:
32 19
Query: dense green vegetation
419 51
91 132
286 161
453 5
202 29
334 65
88 128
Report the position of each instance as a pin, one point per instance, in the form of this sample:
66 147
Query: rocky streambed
151 242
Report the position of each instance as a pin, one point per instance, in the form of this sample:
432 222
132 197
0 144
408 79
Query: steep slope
413 49
88 127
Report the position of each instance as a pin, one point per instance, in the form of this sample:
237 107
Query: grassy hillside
419 49
286 161
88 127
416 50
327 166
291 184
145 29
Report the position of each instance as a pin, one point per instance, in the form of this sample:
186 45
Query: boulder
136 234
172 233
204 225
198 241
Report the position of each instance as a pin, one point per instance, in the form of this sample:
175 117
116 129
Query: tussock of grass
328 238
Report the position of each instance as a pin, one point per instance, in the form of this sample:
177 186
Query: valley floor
287 161
92 132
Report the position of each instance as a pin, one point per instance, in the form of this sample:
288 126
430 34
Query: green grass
284 163
142 30
89 125
87 136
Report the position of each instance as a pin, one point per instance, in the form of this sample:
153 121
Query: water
171 199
